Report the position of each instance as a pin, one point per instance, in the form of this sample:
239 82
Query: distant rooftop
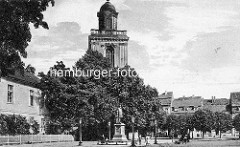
195 101
165 98
166 95
235 98
217 101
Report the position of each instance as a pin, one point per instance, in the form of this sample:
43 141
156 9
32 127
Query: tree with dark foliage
204 120
223 122
236 123
15 19
96 100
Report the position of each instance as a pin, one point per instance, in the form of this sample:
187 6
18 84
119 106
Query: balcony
108 32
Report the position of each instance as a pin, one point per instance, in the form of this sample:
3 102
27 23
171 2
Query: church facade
107 39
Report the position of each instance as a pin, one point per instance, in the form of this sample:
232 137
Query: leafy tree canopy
236 123
97 100
15 19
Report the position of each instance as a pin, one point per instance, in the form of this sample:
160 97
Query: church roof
107 7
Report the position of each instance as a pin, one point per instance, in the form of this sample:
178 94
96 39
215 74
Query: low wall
22 139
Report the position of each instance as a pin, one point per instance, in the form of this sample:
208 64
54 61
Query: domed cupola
108 7
107 17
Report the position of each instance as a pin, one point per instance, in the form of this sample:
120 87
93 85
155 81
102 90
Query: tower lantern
107 17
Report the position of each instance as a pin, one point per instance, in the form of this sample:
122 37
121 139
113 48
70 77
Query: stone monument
119 134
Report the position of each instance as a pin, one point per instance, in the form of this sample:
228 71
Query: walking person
147 140
139 139
103 139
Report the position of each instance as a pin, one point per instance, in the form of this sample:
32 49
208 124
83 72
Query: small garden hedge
16 124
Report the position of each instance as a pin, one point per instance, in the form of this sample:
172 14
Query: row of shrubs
16 125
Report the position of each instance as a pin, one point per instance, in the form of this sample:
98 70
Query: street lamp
80 132
155 142
109 133
133 144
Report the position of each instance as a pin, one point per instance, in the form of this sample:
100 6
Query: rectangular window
10 94
31 98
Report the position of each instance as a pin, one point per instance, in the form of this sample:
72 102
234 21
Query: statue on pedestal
119 134
119 115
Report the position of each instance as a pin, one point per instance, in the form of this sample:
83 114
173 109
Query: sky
190 47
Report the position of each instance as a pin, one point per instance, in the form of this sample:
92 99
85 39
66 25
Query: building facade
19 95
107 39
165 99
235 103
235 107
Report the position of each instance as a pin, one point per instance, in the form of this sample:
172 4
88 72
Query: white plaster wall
21 100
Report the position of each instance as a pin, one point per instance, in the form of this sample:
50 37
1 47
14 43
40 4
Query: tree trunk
203 134
220 134
169 135
192 134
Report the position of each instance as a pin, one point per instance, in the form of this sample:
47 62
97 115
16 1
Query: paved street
85 144
67 144
162 143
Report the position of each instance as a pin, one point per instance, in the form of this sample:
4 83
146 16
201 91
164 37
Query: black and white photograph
120 73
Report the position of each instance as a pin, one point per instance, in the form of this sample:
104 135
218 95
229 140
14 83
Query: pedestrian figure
103 139
147 140
139 139
185 139
188 137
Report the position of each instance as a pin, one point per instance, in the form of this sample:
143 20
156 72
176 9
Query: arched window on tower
114 23
110 55
108 23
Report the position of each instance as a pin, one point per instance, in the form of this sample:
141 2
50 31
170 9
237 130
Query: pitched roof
216 108
27 78
235 98
218 101
165 98
166 95
188 101
165 101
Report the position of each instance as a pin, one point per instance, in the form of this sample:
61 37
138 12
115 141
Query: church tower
107 39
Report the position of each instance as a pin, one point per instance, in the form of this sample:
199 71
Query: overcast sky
190 47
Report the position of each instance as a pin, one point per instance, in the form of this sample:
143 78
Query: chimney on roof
213 99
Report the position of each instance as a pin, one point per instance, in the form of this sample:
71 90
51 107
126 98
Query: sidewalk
84 144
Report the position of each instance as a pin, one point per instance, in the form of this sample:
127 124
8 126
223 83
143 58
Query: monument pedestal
119 135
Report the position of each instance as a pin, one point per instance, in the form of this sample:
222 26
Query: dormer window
237 108
191 108
181 108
